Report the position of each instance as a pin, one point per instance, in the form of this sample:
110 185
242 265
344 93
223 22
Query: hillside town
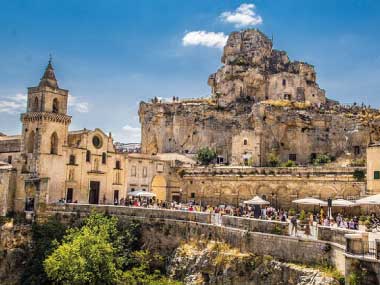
266 153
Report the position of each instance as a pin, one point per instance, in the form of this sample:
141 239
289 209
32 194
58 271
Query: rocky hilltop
261 103
252 68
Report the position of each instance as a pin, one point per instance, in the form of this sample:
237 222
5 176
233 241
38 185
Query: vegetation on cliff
99 250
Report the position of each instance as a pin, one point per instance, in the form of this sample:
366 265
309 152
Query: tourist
326 222
339 220
293 222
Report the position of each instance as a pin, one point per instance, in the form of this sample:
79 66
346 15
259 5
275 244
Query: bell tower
44 134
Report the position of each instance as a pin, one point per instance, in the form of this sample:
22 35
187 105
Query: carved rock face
250 63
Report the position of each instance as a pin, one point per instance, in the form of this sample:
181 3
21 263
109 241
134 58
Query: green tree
88 255
43 236
206 155
104 251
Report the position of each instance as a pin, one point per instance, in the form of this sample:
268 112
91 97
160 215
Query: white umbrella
371 200
138 193
342 203
256 201
310 201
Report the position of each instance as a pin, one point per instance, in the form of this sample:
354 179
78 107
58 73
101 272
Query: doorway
94 192
69 195
116 197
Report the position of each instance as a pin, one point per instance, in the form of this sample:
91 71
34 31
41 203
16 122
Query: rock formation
215 263
261 103
252 68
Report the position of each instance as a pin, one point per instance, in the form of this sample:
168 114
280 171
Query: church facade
50 163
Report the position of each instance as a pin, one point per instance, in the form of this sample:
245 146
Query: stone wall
233 185
170 228
336 235
256 225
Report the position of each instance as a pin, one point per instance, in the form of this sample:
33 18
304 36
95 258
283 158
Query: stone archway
159 187
244 192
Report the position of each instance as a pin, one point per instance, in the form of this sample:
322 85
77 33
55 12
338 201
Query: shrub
357 162
302 216
322 159
292 212
206 155
289 163
273 160
359 175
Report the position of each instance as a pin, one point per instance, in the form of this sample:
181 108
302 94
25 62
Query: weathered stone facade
233 185
261 103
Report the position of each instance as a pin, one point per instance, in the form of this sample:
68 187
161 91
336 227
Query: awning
342 203
310 201
140 193
256 201
371 200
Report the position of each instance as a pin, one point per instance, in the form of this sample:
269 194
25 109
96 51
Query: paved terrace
338 247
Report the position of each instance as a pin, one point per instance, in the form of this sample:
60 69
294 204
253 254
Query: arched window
284 82
35 105
104 158
55 105
54 143
88 156
30 143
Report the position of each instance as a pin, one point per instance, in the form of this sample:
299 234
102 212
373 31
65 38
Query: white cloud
243 16
77 104
204 38
17 104
13 104
132 134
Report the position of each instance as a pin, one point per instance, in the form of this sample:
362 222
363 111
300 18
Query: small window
245 142
9 159
133 171
104 158
292 156
117 165
55 105
72 159
54 143
376 175
88 156
284 82
145 172
192 195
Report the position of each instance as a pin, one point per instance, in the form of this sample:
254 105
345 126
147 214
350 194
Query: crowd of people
297 219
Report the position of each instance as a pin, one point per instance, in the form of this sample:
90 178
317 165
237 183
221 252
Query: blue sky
112 54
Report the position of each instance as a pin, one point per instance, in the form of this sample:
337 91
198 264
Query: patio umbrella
342 203
256 201
310 201
139 193
371 200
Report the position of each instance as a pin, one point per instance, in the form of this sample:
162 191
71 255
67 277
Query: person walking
293 222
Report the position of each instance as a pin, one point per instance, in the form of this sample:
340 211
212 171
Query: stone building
261 103
53 163
157 174
228 185
373 169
